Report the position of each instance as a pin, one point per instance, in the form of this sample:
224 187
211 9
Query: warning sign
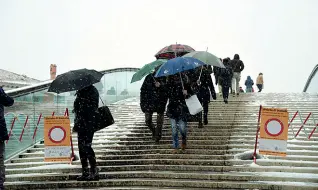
273 131
57 143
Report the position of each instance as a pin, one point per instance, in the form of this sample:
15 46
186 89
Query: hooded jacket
236 64
5 101
249 82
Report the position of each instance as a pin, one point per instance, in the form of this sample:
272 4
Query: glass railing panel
112 88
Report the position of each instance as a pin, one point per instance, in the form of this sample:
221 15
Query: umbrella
178 65
206 57
169 52
147 69
75 80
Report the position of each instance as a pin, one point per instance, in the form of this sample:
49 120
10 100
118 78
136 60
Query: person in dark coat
237 66
153 98
86 116
5 101
177 109
205 88
225 76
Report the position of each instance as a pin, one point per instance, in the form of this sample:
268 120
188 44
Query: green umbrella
206 57
147 69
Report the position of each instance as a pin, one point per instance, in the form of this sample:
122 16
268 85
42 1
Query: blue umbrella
178 65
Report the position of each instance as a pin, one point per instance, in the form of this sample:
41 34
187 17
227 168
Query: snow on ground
248 155
55 166
31 174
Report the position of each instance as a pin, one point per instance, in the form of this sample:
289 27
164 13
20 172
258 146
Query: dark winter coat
177 108
249 82
206 85
5 101
216 71
236 64
226 75
152 98
85 109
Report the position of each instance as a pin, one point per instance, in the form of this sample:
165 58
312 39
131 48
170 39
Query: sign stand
257 131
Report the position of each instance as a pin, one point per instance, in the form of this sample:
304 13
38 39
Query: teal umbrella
206 57
147 69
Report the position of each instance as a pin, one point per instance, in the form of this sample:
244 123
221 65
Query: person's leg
233 87
199 115
91 156
183 131
220 90
225 94
200 120
160 119
205 112
238 79
175 138
82 138
2 166
150 125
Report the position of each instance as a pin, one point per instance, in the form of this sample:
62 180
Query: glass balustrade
25 118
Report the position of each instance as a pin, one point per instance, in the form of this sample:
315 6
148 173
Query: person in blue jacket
5 101
249 84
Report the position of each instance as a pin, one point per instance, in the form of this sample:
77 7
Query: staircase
129 159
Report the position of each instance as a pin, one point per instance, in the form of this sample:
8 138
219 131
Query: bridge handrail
45 84
313 73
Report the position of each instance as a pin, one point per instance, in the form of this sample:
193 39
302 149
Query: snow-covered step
128 157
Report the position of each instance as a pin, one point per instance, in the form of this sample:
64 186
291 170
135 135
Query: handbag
105 117
193 105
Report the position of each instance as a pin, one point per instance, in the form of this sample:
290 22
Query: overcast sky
276 37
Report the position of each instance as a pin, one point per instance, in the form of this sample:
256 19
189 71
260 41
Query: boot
94 175
183 146
85 175
158 133
200 125
150 125
206 120
205 117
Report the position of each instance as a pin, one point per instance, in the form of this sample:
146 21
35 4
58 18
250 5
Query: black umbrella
75 80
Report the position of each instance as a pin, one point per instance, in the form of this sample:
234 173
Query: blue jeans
182 127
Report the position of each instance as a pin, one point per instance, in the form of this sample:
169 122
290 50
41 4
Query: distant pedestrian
5 101
241 90
237 66
225 78
249 84
260 82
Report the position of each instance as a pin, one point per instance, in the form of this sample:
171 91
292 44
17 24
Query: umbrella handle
154 78
201 72
181 81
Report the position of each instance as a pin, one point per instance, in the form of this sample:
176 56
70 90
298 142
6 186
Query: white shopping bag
194 105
